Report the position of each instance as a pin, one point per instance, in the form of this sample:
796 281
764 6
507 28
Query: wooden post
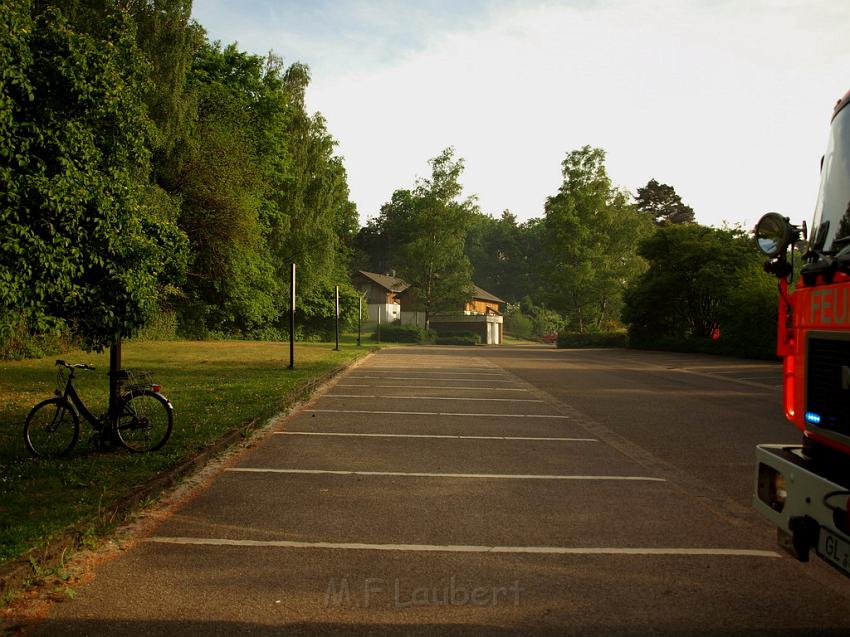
379 323
336 349
292 318
359 316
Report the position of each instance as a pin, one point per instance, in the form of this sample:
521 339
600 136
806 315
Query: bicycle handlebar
75 365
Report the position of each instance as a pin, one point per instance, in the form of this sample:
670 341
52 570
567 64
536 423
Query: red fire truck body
805 489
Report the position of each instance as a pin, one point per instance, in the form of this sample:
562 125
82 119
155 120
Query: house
482 315
389 300
484 303
381 292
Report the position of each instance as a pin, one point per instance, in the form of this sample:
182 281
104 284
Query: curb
16 574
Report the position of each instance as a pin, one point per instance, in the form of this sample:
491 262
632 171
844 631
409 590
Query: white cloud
726 101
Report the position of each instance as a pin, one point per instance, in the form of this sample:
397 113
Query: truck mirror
774 234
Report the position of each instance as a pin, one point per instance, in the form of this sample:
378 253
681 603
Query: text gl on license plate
834 549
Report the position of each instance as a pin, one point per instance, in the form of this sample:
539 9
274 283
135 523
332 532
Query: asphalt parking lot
483 491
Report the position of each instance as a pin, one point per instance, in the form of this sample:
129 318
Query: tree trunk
603 307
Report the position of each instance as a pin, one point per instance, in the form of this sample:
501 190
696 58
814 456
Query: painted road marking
713 375
456 548
373 435
403 474
434 387
468 380
512 400
739 381
488 371
431 413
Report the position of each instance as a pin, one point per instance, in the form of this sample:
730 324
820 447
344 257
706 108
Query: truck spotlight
772 489
774 234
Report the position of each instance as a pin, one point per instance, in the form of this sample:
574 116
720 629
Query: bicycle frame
79 406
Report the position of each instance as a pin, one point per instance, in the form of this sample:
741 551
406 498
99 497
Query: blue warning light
812 417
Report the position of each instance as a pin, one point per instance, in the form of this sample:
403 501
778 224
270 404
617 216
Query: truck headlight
772 489
774 233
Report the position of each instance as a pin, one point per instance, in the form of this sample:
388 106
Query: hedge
404 334
567 340
458 338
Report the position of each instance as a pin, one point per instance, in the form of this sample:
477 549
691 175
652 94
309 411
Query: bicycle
143 422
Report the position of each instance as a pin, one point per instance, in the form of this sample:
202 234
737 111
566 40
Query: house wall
375 294
412 318
379 300
389 312
488 327
480 307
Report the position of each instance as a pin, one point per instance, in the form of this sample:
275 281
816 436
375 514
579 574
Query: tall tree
495 249
260 188
661 203
371 250
429 225
169 38
591 231
311 219
79 244
693 273
230 287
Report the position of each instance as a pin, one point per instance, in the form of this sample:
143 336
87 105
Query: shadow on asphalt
178 628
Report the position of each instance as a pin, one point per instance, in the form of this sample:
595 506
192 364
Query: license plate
834 549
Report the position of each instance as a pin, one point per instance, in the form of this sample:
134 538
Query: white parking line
456 548
403 474
373 435
739 381
487 371
431 413
467 380
512 400
434 387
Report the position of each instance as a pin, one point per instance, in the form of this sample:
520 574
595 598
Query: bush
570 340
526 320
758 348
462 334
748 320
19 341
702 283
458 338
162 327
518 324
395 333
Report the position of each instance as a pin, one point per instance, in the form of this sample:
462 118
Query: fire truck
805 489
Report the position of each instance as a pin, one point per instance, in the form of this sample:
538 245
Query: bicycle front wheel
145 422
51 429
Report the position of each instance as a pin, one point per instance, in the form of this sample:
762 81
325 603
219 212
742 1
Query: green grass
517 340
215 386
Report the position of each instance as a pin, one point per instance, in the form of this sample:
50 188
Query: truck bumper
807 507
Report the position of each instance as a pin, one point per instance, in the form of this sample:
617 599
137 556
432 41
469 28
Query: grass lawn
215 386
518 340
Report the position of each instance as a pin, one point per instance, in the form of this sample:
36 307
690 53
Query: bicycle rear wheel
51 429
146 420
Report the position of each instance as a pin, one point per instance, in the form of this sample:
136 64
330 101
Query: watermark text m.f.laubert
374 591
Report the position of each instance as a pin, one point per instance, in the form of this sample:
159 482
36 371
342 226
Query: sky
727 101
